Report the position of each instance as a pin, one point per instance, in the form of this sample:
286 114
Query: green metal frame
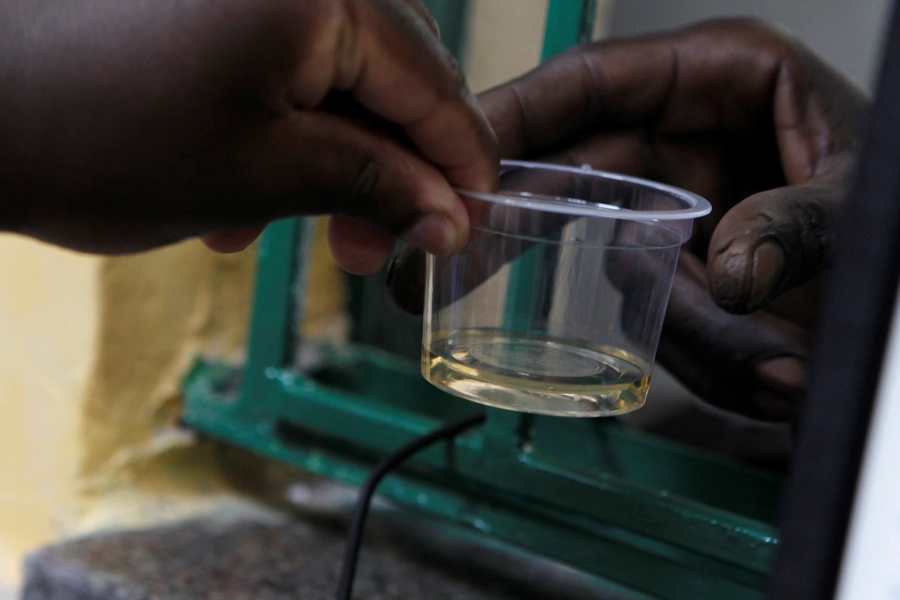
649 518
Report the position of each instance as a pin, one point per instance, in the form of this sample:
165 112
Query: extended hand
128 125
743 115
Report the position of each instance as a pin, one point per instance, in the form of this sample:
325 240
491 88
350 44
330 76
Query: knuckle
432 23
771 40
376 195
817 230
367 180
756 25
456 85
807 231
458 77
422 10
748 25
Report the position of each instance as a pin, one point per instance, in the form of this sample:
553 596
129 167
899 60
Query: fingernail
768 266
435 234
785 374
405 281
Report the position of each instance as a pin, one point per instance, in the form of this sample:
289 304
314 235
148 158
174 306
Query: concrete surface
238 562
289 558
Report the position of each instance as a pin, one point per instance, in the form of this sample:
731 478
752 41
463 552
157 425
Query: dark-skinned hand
129 125
742 114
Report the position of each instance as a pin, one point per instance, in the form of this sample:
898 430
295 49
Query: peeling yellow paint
160 310
93 353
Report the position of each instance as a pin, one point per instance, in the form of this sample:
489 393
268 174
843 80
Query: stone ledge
284 559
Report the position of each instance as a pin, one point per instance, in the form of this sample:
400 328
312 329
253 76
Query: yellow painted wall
93 350
505 38
48 340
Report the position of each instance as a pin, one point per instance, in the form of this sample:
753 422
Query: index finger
721 77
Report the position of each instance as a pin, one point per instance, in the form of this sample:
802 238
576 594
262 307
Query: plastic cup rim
699 206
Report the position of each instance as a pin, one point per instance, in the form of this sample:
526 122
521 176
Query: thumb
771 242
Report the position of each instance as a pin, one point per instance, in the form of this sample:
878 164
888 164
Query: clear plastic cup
556 304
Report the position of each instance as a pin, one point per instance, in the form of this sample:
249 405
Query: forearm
94 95
128 125
18 151
52 98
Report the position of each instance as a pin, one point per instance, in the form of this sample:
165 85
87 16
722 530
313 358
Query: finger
727 77
481 259
755 365
640 263
313 162
566 97
389 59
235 240
630 82
405 280
772 242
621 151
485 254
358 247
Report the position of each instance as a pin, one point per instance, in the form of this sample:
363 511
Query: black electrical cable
354 540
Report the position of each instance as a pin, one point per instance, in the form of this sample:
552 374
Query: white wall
848 33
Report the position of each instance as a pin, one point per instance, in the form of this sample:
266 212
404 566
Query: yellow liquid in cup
536 374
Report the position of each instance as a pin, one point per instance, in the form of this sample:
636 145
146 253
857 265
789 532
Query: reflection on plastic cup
557 303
